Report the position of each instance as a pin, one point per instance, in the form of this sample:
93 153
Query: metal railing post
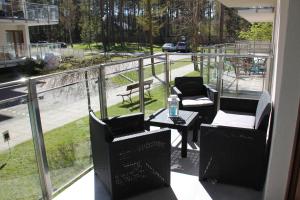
201 63
87 90
208 65
216 51
38 140
102 92
167 83
4 56
141 85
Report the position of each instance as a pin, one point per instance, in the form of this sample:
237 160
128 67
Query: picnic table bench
134 88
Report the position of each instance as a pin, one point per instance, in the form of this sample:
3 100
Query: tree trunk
112 24
121 21
221 33
195 29
209 25
70 37
150 36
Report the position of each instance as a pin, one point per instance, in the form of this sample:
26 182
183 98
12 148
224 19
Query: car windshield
168 45
181 44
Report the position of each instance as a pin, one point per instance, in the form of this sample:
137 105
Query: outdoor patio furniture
183 123
234 148
128 159
196 96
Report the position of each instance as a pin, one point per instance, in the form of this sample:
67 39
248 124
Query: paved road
64 105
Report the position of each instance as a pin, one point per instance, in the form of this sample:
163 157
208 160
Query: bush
31 67
74 63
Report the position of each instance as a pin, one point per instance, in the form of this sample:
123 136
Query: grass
68 152
159 69
83 46
128 47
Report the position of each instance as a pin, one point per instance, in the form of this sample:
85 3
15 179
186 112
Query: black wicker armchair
128 159
234 148
196 96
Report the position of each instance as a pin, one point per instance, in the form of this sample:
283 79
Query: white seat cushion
224 118
196 101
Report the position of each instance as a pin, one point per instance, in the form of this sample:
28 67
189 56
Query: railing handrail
134 60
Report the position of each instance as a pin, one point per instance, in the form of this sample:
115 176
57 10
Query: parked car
183 47
168 47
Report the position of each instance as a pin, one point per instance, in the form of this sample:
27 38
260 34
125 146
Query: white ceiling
248 3
257 15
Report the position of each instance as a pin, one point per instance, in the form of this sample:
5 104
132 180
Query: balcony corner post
219 85
167 83
38 140
102 92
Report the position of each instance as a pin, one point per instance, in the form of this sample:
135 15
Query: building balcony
45 151
28 13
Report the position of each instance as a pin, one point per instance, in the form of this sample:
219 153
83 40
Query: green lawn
159 69
129 47
68 152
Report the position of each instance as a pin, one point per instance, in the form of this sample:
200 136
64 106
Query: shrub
31 67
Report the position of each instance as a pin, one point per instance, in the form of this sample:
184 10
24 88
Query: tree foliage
114 22
258 31
89 21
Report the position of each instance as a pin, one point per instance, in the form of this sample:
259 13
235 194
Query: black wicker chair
234 148
128 159
196 96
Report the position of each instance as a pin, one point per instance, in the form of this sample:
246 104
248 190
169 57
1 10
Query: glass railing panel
211 64
154 84
244 76
122 89
64 115
92 84
19 178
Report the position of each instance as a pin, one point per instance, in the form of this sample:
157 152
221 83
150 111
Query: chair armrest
145 134
175 90
238 104
225 130
212 94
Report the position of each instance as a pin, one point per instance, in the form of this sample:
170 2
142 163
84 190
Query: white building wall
6 26
286 97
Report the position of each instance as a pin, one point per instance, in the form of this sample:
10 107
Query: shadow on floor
188 165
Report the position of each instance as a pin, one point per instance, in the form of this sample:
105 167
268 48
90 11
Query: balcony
32 14
46 150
